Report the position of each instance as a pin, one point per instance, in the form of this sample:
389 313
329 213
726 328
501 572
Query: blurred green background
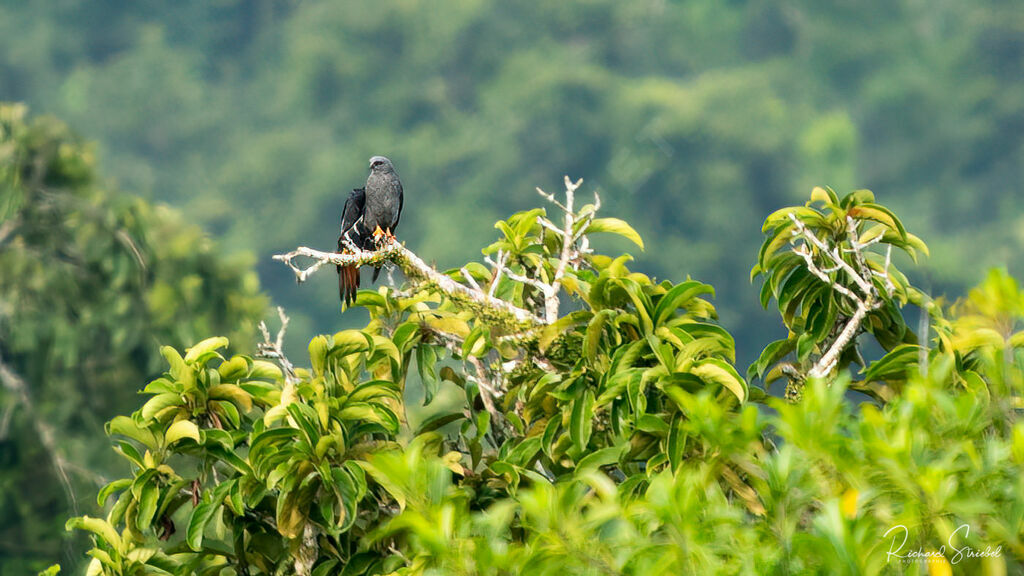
693 120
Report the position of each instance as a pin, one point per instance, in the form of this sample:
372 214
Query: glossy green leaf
615 226
181 429
212 503
205 347
720 372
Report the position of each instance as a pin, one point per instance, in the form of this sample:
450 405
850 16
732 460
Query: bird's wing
351 215
401 201
351 231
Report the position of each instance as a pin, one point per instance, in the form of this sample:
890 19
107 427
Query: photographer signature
920 555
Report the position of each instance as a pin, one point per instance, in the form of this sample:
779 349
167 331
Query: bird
370 214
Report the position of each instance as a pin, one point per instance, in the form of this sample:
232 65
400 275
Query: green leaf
599 458
349 342
476 342
720 372
426 359
524 452
125 426
115 486
582 421
881 214
178 369
862 196
318 349
213 502
101 528
805 345
898 364
438 421
307 419
162 386
825 195
595 328
232 392
236 368
181 429
196 352
677 297
675 444
641 301
292 510
390 485
615 226
148 495
157 403
808 216
771 354
265 369
375 413
374 389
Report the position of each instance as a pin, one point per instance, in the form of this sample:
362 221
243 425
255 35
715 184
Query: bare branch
832 253
890 288
416 269
551 298
858 255
588 217
273 349
469 279
551 198
862 277
499 268
306 553
804 253
545 288
828 361
544 222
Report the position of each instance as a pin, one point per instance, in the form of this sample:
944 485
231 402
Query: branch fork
862 276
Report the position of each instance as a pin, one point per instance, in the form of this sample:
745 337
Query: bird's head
381 164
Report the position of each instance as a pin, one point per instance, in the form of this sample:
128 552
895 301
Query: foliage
831 279
617 439
92 282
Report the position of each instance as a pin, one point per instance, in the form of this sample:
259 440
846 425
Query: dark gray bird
370 213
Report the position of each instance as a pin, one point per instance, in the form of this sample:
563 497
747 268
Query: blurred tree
93 281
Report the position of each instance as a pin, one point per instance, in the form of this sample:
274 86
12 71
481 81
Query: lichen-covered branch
491 308
862 276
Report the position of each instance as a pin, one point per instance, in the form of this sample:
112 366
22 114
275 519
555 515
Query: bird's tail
376 272
348 284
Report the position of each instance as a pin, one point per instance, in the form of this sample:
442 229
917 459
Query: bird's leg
378 237
389 235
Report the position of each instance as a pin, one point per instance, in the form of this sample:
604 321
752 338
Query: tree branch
863 278
499 311
827 362
273 349
833 254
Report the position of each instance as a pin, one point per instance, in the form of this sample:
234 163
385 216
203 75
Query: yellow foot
378 232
